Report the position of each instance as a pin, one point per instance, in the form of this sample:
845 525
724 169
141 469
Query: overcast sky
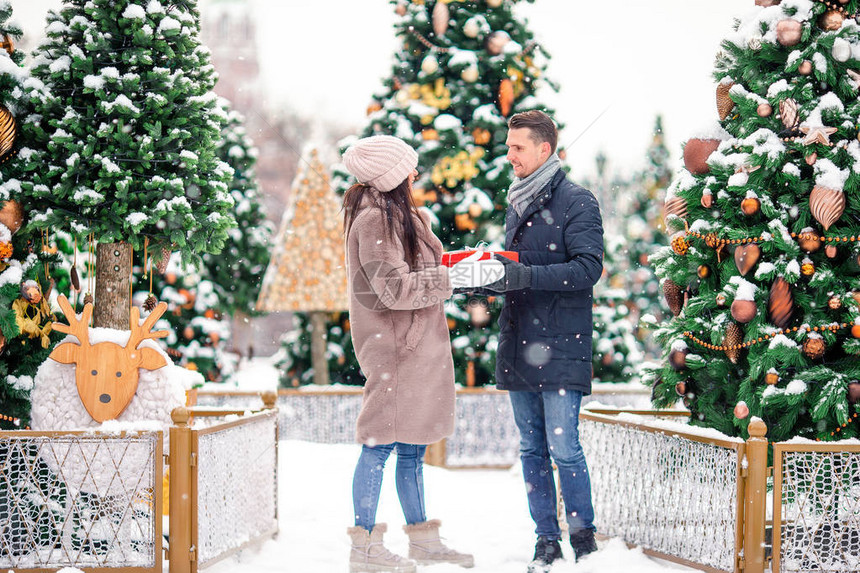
632 59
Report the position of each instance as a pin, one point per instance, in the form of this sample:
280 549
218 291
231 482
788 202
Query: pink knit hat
381 161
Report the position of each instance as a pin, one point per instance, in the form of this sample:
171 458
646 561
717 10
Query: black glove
517 276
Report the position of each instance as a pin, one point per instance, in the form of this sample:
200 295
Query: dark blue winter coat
545 338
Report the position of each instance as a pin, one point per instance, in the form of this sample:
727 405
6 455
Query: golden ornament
750 206
5 251
494 3
400 9
475 210
831 20
780 303
707 200
764 110
789 32
725 104
8 131
809 242
854 392
470 74
680 245
826 205
681 388
464 222
746 257
674 296
831 251
771 378
12 215
743 311
855 331
703 272
807 269
805 68
497 41
834 303
440 18
678 359
373 107
732 341
7 44
696 153
429 134
481 136
506 96
814 348
741 411
675 205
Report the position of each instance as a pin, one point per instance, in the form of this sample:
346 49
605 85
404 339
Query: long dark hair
399 210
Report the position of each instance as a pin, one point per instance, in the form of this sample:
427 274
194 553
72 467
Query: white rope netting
78 500
663 492
237 486
820 511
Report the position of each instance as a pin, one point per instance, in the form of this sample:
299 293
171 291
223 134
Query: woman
400 334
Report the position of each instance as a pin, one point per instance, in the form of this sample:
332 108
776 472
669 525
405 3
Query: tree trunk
319 340
113 282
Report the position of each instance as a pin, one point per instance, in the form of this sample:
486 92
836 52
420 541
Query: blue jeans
367 482
549 427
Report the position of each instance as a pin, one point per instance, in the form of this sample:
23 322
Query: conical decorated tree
763 271
307 272
128 139
463 69
26 337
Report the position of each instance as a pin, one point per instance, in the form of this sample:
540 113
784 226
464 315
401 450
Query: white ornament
430 65
471 28
841 50
470 74
754 43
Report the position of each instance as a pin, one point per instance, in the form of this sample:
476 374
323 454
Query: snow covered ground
482 511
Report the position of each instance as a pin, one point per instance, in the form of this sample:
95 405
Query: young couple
400 334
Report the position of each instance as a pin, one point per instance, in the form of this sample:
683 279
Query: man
544 352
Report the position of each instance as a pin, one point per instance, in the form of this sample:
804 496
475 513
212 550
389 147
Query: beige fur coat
400 332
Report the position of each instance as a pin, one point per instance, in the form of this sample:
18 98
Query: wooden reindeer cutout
107 373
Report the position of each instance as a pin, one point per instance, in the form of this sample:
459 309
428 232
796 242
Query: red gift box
449 259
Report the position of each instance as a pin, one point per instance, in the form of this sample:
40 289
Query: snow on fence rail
81 499
223 483
661 486
816 507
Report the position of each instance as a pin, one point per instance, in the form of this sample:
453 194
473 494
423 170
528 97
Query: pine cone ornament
75 279
781 303
165 258
788 114
150 303
725 104
674 296
8 131
732 341
826 205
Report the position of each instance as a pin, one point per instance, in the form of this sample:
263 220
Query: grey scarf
523 191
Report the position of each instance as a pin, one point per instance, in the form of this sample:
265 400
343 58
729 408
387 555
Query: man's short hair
540 125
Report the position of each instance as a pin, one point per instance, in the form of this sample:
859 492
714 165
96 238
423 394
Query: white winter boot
427 548
369 555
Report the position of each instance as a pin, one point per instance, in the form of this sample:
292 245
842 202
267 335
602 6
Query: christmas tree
205 305
26 337
464 68
307 274
127 154
763 272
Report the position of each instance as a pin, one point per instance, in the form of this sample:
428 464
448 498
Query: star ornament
818 134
